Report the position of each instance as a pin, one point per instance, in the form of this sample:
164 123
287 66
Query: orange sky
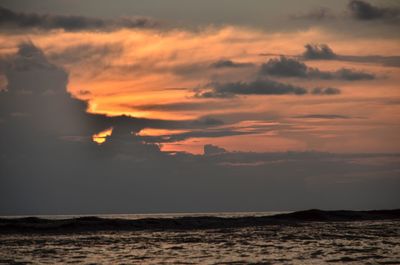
148 73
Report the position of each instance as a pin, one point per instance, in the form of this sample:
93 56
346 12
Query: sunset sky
238 79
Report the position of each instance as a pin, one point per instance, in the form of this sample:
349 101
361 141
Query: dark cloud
54 111
323 116
207 121
363 10
229 64
210 149
183 106
318 52
172 138
258 87
288 67
388 61
10 19
352 75
357 9
324 52
284 67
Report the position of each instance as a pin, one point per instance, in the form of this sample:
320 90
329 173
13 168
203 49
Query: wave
93 223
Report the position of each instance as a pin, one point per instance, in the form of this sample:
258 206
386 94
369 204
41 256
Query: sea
354 242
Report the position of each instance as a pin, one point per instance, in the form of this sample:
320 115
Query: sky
198 106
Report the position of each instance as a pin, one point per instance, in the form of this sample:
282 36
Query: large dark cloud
363 10
10 19
258 87
49 165
47 105
288 67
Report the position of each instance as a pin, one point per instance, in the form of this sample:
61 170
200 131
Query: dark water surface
349 242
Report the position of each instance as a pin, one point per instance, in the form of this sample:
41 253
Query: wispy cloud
322 116
10 19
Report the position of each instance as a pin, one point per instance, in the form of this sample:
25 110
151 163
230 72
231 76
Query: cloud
288 67
322 116
229 64
54 111
258 87
362 10
325 91
357 9
50 165
210 149
324 52
318 52
352 75
178 137
183 106
17 20
319 14
284 67
88 52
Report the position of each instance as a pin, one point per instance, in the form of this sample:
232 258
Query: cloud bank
50 165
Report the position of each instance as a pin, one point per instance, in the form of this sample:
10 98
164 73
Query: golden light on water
102 136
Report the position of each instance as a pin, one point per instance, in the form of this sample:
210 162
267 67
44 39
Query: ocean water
364 242
154 215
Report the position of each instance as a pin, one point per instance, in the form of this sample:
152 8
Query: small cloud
229 64
318 52
207 122
210 149
325 91
322 116
84 92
